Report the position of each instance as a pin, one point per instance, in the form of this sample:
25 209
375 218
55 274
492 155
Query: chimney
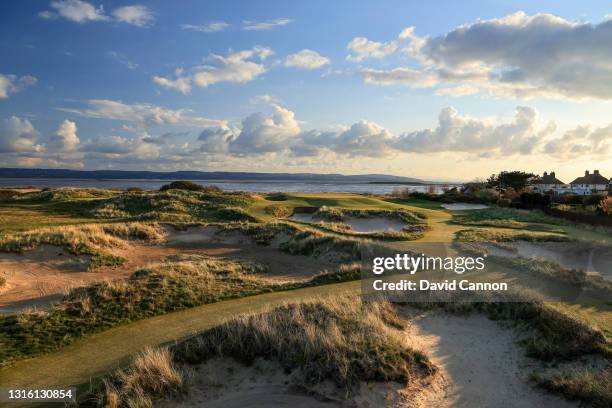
596 171
586 172
552 173
545 174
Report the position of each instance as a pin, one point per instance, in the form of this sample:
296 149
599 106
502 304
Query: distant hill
201 175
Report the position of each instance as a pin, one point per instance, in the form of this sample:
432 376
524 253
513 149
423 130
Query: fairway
95 355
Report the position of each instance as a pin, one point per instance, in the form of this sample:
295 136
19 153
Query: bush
604 207
278 211
277 197
2 281
530 201
593 199
189 186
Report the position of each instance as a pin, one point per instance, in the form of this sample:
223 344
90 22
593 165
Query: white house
549 182
590 184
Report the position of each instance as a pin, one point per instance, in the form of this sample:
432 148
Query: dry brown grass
153 374
342 340
81 239
339 339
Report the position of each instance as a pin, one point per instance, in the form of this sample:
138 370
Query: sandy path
480 361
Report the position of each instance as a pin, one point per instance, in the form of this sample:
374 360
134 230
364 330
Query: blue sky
346 86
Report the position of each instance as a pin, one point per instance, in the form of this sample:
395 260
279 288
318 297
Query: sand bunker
225 383
481 363
582 256
358 224
464 206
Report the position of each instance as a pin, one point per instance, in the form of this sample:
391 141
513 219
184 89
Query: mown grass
342 340
152 291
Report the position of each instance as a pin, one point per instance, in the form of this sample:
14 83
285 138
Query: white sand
481 364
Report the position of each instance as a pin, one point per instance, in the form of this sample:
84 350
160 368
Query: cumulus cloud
66 138
18 136
114 147
11 83
306 59
457 133
218 139
262 134
580 141
281 132
212 27
361 49
142 114
242 66
525 134
412 78
75 10
265 25
361 139
519 55
81 12
138 15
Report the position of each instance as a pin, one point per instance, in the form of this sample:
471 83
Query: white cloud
361 139
143 114
66 138
18 136
399 76
212 27
264 98
238 67
580 141
265 25
519 55
75 10
11 83
217 140
306 59
281 133
457 133
361 49
81 12
137 15
262 134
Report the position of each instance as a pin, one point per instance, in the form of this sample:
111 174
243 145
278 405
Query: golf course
94 282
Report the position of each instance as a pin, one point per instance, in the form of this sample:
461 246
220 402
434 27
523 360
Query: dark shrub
189 186
277 197
593 199
534 200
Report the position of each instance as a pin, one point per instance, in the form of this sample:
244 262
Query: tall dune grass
341 339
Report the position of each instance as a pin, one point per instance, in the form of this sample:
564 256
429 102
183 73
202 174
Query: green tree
518 180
